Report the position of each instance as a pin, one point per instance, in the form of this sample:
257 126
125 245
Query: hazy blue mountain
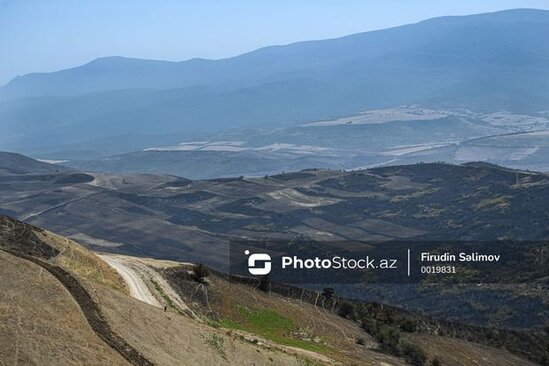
502 39
483 62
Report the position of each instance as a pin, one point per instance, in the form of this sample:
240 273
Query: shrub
436 362
408 326
328 292
370 326
200 273
347 310
413 354
390 337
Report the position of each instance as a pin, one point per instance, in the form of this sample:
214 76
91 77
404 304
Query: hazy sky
48 35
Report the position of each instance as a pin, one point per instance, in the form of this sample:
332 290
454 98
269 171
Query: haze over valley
132 189
420 92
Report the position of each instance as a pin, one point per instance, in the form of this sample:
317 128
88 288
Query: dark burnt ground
19 238
194 221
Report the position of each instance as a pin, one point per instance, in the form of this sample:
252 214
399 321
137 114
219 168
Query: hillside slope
58 287
13 163
56 332
228 323
303 318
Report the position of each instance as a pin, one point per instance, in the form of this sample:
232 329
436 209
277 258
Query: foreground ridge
89 307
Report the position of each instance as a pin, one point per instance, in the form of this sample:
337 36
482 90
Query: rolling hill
168 217
14 163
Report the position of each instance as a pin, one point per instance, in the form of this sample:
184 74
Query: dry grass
169 339
455 352
40 324
293 323
82 262
500 203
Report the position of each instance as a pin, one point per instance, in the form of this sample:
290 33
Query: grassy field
273 326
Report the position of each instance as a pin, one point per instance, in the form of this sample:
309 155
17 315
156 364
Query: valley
172 218
393 136
377 198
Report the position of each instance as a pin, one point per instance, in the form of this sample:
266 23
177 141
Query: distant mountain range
486 62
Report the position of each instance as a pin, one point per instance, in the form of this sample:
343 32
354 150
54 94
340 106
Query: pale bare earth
136 285
402 113
41 324
145 283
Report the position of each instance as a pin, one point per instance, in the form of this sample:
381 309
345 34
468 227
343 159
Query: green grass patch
231 324
270 325
213 323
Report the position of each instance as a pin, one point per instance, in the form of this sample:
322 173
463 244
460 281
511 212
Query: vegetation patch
500 203
272 326
169 302
218 343
390 338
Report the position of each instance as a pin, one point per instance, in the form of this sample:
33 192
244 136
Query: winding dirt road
145 282
137 286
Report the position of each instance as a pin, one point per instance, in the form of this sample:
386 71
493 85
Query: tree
200 273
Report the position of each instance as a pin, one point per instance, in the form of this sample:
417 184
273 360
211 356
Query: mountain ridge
120 62
457 62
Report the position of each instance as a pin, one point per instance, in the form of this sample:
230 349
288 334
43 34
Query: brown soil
41 324
92 312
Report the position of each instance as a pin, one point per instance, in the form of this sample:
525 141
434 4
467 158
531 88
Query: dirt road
146 283
137 286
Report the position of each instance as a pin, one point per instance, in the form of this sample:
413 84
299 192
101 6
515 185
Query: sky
44 36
